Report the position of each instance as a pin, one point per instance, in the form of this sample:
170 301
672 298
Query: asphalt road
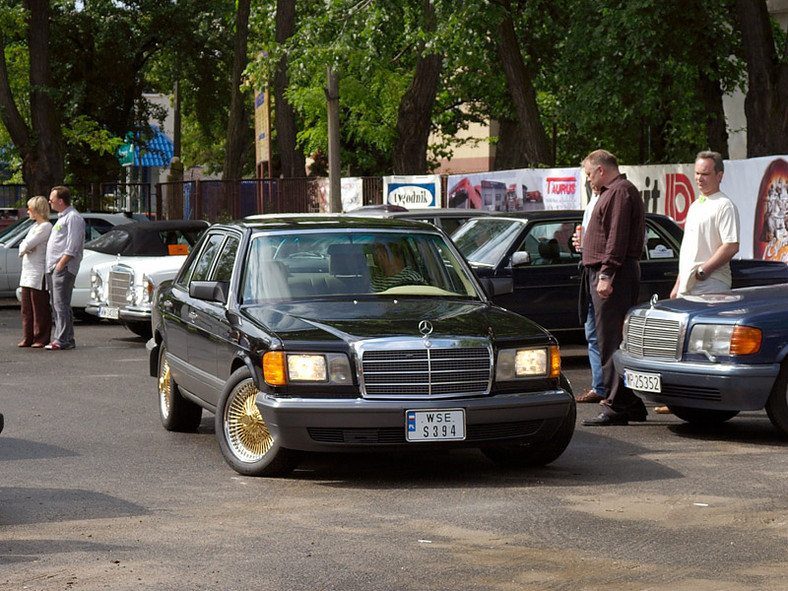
95 494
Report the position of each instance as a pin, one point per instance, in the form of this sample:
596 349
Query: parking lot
95 494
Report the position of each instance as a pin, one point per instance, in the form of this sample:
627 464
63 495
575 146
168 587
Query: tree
238 131
627 85
766 104
521 88
291 156
40 143
414 116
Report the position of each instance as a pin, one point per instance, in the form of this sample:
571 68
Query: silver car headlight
146 297
95 286
724 339
532 362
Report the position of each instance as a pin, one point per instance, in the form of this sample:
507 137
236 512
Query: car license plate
435 425
109 312
645 382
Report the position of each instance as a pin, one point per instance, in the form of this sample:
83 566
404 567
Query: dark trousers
609 314
36 316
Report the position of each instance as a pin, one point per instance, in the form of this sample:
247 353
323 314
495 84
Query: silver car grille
650 333
419 371
118 287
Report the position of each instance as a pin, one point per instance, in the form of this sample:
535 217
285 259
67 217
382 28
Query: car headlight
534 362
724 339
280 368
147 290
95 286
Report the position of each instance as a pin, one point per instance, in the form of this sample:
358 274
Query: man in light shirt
711 236
711 233
64 254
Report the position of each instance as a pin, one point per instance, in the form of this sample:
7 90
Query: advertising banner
517 190
758 187
412 191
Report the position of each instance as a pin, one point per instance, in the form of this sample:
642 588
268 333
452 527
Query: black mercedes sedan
534 250
333 333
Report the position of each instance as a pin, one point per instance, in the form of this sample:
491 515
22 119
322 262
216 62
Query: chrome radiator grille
426 372
117 288
652 335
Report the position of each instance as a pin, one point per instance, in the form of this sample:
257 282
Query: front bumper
129 313
359 424
714 386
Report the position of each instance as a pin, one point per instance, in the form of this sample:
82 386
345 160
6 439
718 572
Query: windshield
308 264
19 227
484 241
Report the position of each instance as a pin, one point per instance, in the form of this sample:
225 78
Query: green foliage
628 76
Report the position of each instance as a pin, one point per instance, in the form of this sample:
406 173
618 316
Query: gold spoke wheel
247 435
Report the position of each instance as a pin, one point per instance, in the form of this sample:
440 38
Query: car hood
352 321
737 304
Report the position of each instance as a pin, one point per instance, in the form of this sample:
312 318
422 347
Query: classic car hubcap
165 387
247 435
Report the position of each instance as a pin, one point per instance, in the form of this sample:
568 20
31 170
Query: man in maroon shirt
612 246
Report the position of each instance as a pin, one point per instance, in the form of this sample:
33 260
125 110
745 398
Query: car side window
658 247
549 243
95 228
224 264
201 265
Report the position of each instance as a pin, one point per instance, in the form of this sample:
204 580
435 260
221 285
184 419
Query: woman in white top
36 313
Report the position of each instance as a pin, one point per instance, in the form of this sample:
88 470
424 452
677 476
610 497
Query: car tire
176 412
244 439
535 454
702 416
777 403
141 329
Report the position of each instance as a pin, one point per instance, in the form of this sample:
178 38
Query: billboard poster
517 190
412 191
758 187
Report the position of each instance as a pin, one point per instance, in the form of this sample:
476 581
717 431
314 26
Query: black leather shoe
605 420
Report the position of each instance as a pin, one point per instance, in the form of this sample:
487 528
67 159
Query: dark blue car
529 258
709 357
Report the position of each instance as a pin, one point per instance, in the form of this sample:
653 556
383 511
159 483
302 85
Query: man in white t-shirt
711 236
711 233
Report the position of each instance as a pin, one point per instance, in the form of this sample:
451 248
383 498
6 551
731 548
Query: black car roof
142 239
547 214
420 212
329 222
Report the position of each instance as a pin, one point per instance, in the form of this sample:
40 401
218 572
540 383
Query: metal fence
212 200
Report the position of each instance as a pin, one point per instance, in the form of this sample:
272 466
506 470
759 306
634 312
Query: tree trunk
511 147
41 144
521 89
766 105
291 157
238 130
716 130
414 119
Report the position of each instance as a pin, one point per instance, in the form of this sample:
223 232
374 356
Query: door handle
167 305
192 315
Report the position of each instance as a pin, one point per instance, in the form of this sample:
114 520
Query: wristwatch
603 276
701 273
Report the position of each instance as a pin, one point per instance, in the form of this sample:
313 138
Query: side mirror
210 291
521 258
495 286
